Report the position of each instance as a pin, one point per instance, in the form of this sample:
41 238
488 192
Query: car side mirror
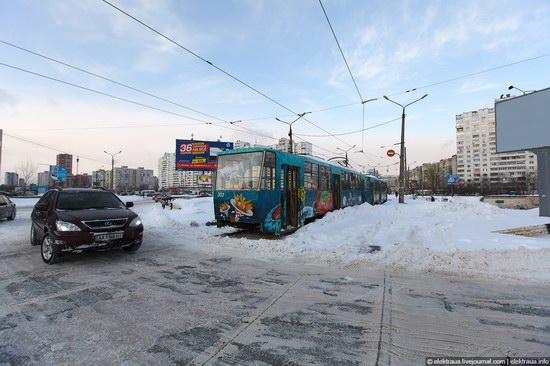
41 207
129 204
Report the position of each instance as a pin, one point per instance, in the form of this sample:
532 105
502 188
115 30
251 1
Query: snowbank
449 237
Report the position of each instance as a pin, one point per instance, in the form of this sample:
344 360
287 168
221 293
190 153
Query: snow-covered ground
456 237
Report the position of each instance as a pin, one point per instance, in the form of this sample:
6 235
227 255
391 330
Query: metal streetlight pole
112 165
290 125
346 151
402 152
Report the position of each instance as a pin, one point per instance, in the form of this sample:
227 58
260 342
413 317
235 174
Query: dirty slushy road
166 304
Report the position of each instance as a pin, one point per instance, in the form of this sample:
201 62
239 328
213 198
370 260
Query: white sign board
523 123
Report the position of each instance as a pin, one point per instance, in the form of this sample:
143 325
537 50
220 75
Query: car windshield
87 201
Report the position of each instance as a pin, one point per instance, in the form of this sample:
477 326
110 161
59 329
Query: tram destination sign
198 154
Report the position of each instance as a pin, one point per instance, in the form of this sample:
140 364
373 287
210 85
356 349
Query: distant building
169 177
65 161
79 181
477 161
241 144
21 182
125 179
301 147
101 178
432 175
43 179
11 179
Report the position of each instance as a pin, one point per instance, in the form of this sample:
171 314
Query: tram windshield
239 171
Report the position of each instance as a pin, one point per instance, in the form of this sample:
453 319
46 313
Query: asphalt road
168 305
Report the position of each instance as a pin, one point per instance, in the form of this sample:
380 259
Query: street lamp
290 125
112 165
402 152
513 87
346 151
363 128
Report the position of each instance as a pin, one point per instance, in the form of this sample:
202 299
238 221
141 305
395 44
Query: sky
462 54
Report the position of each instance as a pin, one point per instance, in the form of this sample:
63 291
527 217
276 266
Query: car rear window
87 201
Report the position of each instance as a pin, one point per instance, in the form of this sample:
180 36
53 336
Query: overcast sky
284 49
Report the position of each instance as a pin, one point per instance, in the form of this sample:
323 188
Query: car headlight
66 226
136 222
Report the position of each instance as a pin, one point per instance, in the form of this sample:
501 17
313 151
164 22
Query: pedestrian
163 204
432 199
171 205
396 193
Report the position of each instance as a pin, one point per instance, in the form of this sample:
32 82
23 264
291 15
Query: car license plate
108 236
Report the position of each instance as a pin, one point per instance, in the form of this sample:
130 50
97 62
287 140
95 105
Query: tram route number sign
391 153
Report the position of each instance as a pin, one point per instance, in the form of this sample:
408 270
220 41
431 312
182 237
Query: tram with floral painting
277 191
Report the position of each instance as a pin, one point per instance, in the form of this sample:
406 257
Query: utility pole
290 125
346 151
112 165
402 150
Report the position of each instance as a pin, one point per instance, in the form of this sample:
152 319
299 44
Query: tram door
291 195
336 199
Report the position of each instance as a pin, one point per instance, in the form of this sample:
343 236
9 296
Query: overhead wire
85 156
108 79
100 92
214 66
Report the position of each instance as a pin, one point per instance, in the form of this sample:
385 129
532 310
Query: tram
277 191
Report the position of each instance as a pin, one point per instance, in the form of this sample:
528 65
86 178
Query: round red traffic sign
391 153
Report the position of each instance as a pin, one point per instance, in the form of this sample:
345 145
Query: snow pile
455 236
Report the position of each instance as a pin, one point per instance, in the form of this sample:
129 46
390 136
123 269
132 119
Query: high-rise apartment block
169 177
65 161
11 179
302 147
477 160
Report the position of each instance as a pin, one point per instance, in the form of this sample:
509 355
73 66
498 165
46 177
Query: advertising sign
199 155
452 180
204 180
58 173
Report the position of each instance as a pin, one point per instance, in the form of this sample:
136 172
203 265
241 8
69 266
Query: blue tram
278 191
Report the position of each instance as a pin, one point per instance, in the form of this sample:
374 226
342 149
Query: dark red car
67 220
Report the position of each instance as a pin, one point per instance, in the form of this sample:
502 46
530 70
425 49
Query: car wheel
33 236
12 217
132 248
47 250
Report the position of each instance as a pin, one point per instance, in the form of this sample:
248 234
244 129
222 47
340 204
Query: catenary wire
341 52
85 156
216 67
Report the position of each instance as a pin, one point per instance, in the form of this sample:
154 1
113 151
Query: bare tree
27 170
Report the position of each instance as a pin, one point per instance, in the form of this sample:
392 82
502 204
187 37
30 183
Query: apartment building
169 177
477 160
65 161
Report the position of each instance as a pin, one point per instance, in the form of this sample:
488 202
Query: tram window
345 181
268 174
325 178
314 176
307 175
311 176
354 182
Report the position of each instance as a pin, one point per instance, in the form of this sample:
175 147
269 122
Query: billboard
452 180
523 123
199 155
58 173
